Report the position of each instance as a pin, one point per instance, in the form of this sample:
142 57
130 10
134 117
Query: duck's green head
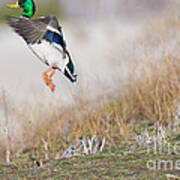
28 7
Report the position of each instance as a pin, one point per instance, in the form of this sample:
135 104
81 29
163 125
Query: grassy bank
129 161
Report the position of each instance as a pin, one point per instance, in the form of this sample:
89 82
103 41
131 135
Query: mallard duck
45 38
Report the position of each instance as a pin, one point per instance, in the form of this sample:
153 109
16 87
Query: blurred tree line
113 8
93 9
42 8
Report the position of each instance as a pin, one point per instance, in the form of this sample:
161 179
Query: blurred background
101 36
97 34
101 9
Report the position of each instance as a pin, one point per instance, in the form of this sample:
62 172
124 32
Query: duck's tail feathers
69 70
71 77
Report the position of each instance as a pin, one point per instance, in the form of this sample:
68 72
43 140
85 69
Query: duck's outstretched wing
34 30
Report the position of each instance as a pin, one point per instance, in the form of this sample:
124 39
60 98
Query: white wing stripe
53 29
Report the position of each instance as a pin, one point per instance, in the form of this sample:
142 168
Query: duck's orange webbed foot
51 85
48 79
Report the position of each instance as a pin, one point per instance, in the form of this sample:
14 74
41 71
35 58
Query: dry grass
155 94
152 94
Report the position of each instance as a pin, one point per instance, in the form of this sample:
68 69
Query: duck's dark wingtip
10 20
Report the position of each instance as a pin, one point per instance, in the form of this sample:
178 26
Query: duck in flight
45 38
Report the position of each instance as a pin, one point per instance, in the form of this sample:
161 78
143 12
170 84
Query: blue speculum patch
56 38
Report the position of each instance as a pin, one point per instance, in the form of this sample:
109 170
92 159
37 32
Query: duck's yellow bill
15 5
